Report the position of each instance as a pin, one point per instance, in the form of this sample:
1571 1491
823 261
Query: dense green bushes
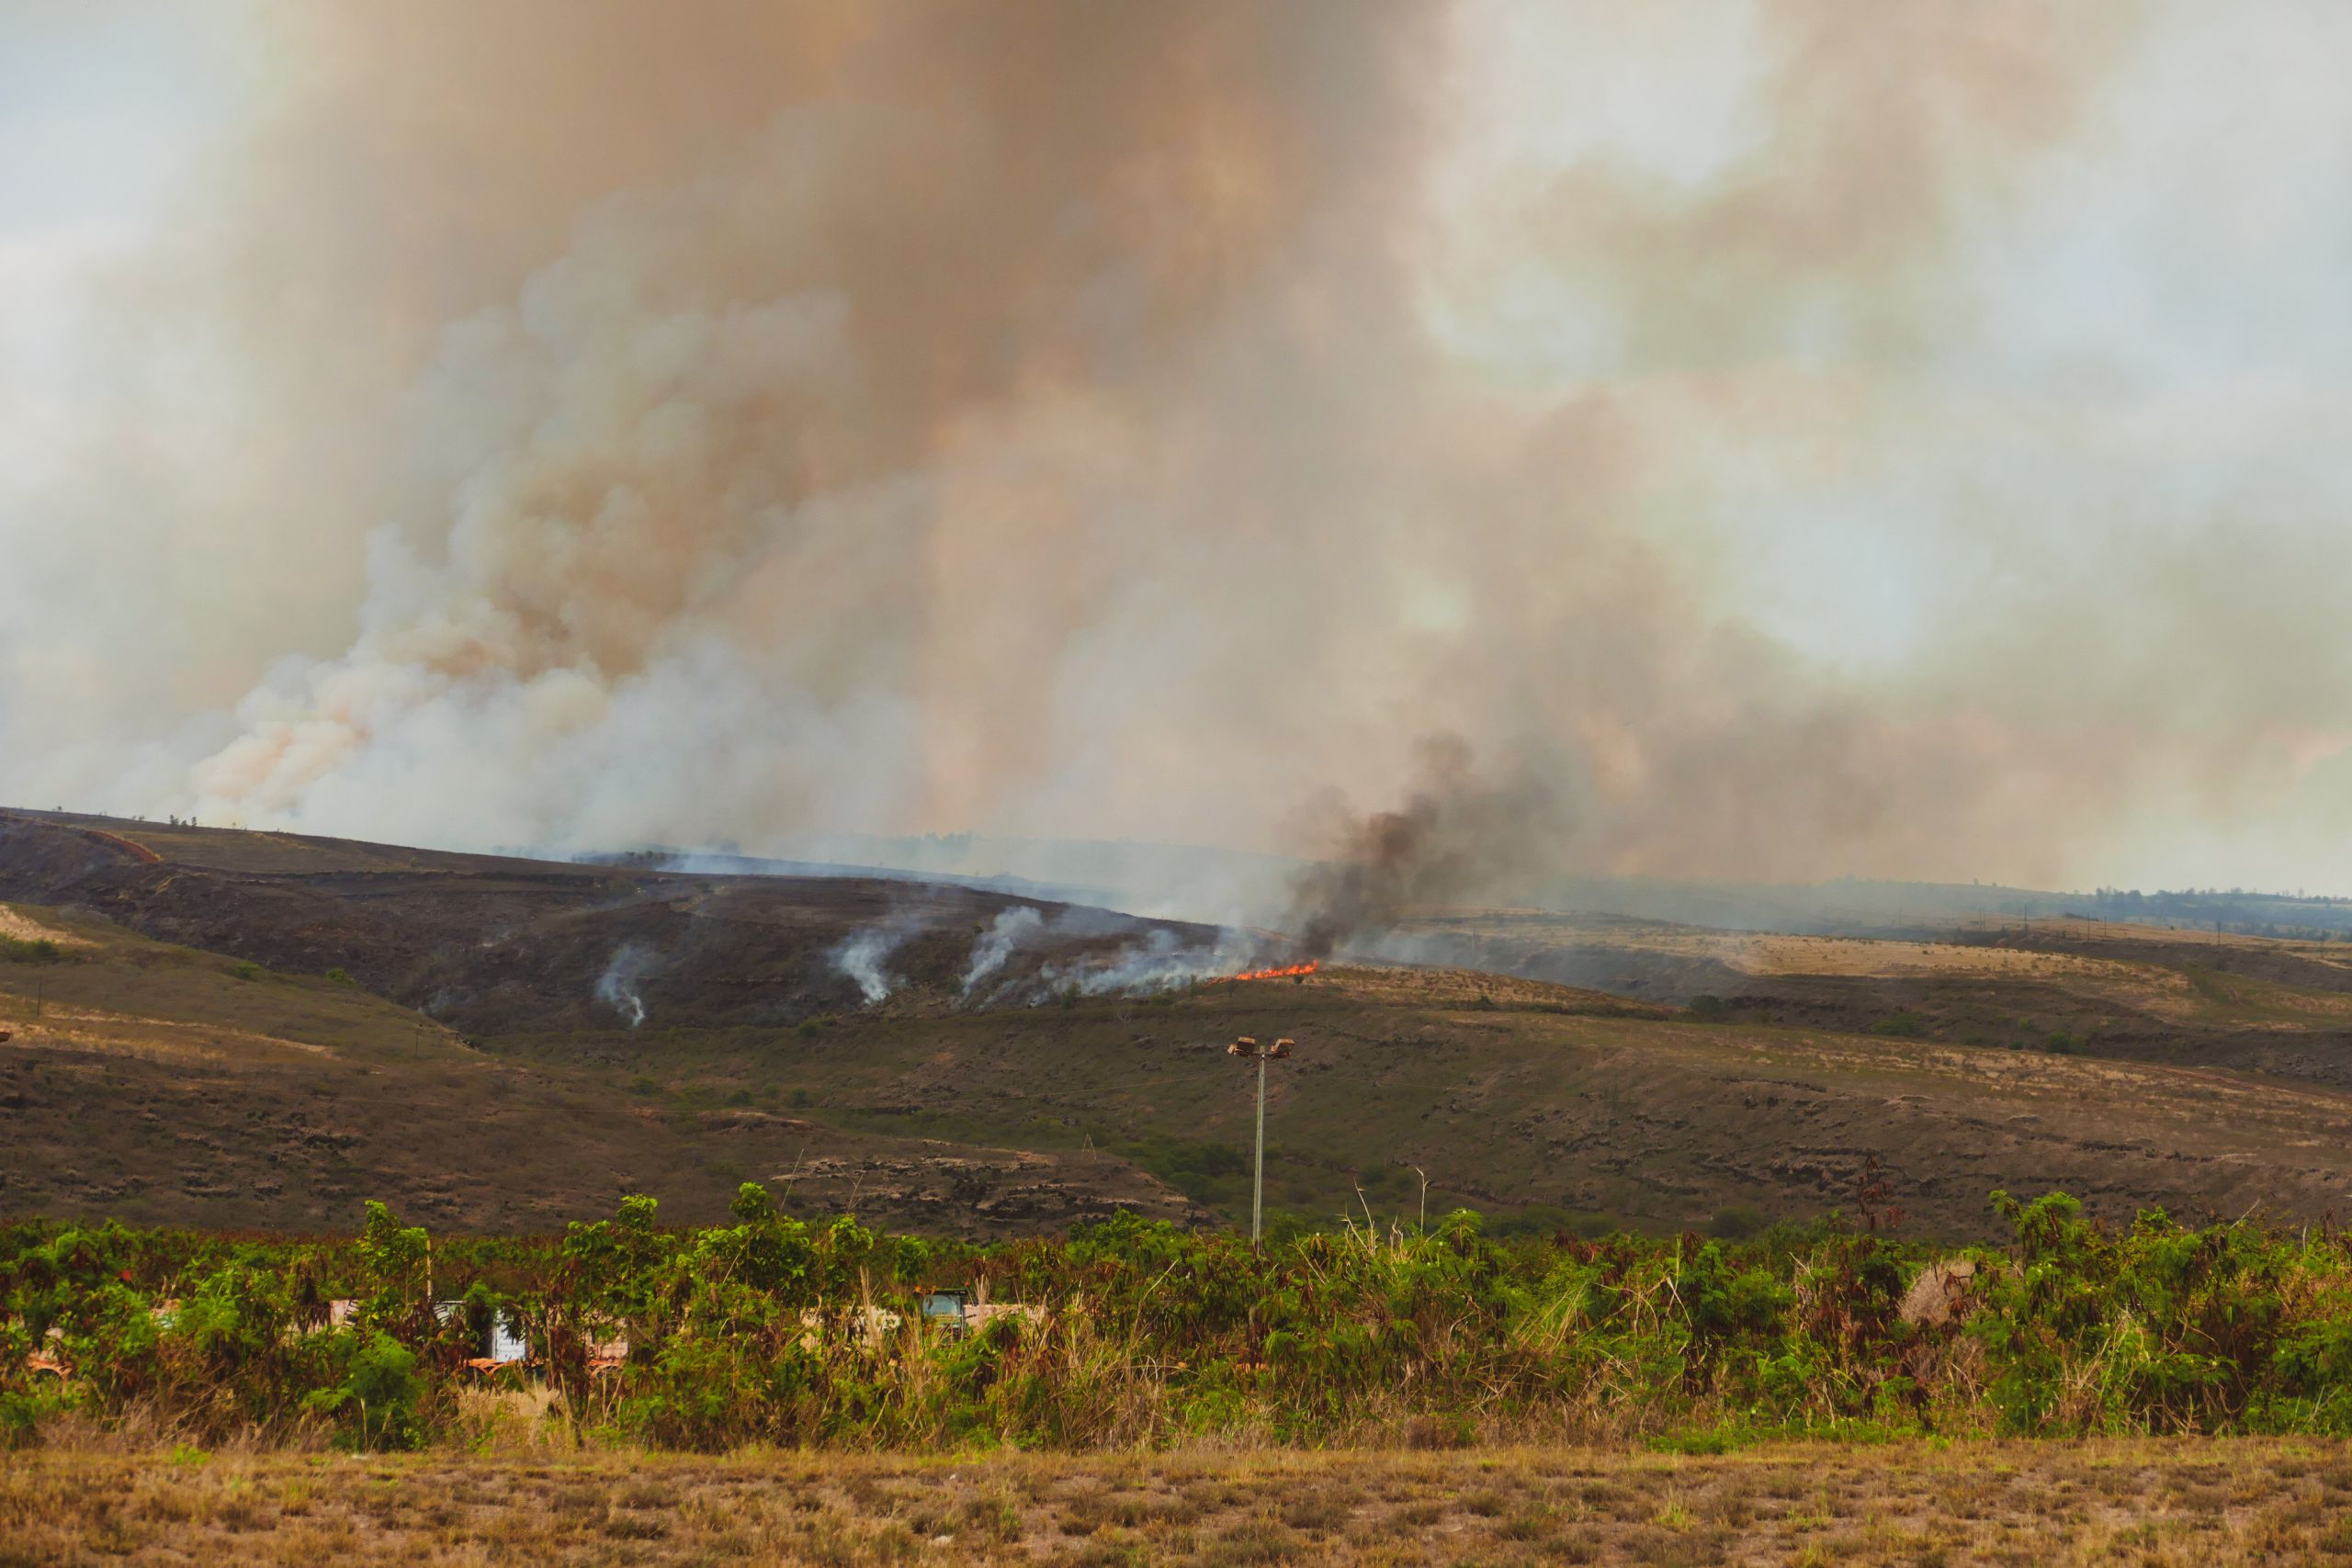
770 1330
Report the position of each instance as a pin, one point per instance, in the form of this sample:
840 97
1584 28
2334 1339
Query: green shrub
377 1400
21 1413
1545 1221
767 1329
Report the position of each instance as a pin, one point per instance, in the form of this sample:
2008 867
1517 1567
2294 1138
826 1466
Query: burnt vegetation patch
485 944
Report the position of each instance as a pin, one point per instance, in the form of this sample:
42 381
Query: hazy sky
1796 438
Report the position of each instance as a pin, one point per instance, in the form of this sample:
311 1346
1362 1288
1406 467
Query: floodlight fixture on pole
1246 1045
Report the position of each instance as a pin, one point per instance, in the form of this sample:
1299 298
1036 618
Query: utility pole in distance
1248 1046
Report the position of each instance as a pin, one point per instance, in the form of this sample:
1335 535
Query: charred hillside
488 944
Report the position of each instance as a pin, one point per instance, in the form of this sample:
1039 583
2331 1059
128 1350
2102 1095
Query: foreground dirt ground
2135 1502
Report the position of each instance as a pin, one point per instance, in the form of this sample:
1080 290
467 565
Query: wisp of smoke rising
860 956
996 944
618 984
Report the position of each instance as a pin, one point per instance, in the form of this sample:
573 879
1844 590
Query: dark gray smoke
1459 837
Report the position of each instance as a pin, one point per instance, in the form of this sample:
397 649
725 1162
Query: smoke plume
1162 961
1457 838
1853 446
617 986
996 944
861 955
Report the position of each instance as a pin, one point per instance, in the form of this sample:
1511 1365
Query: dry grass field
2144 1501
149 1082
2276 1006
163 1083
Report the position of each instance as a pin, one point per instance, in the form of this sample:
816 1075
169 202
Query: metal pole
1258 1187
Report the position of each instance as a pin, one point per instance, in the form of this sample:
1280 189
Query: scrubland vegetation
770 1331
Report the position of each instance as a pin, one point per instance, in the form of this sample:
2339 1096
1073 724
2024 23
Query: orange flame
1283 974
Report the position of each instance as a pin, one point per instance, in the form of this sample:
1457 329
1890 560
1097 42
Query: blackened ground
492 945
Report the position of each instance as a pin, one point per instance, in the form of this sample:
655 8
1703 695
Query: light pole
1248 1046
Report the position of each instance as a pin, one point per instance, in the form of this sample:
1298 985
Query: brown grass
24 928
2142 1502
163 1084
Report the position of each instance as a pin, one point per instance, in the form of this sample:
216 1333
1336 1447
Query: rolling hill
262 1030
489 944
2281 1008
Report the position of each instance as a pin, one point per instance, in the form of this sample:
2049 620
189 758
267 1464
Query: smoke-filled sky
1779 440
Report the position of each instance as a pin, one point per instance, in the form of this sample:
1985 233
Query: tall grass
771 1331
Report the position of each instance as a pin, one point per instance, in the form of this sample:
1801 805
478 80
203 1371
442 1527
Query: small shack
497 1341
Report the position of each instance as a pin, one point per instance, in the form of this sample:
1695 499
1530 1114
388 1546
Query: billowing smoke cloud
618 986
831 448
581 423
996 944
